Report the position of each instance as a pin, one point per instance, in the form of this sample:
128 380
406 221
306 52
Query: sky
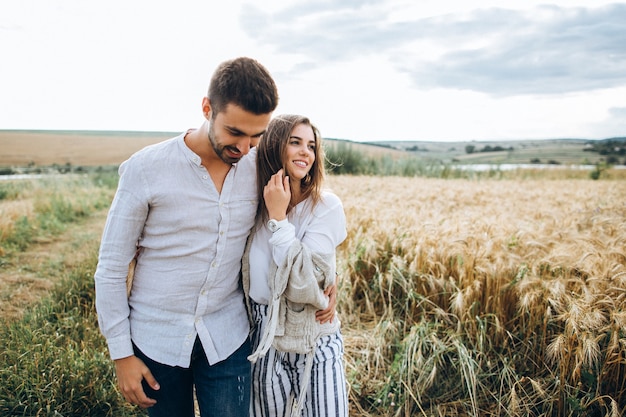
362 70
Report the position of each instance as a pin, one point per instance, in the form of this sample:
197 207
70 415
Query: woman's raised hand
277 194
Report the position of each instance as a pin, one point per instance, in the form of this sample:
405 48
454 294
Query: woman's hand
277 194
328 314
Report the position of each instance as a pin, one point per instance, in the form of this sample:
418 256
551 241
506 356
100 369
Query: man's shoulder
160 146
152 151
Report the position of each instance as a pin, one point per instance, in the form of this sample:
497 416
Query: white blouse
321 230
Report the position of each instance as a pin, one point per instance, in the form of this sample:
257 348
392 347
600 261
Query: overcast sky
360 69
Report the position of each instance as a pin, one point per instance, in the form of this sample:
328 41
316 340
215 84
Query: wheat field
484 298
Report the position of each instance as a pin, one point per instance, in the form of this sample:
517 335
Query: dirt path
31 274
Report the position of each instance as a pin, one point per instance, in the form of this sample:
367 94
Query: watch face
272 225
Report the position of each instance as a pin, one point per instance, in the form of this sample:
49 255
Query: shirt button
213 264
205 177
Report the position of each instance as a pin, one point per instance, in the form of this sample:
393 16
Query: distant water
510 167
33 176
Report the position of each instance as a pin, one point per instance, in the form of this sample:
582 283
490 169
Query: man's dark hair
245 82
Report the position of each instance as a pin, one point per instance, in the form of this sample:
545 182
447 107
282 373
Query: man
185 206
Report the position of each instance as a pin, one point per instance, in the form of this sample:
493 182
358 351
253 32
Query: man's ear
206 108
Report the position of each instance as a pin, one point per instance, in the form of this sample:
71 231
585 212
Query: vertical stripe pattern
276 378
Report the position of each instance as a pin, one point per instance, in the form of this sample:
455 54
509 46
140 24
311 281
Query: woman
289 276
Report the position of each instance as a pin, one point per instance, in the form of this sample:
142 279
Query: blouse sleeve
324 231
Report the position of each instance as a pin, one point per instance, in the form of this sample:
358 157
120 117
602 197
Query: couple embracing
233 241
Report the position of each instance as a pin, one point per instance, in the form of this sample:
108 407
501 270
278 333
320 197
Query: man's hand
130 372
328 314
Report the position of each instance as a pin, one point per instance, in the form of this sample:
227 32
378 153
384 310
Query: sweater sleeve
303 275
324 230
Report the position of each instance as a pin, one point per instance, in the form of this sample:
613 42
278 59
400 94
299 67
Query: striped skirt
277 378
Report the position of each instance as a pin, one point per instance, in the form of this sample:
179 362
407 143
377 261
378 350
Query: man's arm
328 314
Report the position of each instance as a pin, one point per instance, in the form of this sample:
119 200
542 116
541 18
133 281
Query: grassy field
22 148
562 151
77 148
458 297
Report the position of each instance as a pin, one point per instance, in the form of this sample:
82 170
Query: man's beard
218 148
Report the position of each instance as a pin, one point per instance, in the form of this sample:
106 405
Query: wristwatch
273 225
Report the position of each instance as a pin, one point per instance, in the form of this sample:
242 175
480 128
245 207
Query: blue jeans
222 389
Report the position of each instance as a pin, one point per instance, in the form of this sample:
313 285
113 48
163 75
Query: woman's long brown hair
271 154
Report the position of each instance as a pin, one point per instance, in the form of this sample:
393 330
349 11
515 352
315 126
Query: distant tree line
612 149
550 161
487 148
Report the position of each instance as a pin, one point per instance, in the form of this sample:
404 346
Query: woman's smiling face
300 152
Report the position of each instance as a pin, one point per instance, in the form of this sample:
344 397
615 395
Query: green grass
57 202
11 190
54 362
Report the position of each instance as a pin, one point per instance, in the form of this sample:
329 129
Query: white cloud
362 70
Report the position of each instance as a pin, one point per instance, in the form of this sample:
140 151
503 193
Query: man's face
234 131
